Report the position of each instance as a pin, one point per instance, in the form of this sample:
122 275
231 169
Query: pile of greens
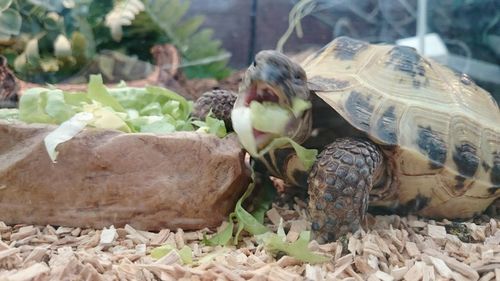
129 109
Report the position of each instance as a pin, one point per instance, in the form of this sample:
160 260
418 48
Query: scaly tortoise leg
339 185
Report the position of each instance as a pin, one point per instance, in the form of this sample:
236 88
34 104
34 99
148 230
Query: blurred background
63 41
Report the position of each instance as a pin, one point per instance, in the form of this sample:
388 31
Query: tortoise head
274 78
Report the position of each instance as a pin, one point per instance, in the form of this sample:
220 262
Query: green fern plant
52 40
164 21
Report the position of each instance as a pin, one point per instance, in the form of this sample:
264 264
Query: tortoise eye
254 63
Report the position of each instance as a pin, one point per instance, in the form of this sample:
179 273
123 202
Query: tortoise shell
439 131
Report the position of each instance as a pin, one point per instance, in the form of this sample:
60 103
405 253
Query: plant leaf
10 22
5 4
222 237
298 249
66 131
122 14
98 92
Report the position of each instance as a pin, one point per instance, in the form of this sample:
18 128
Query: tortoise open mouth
261 92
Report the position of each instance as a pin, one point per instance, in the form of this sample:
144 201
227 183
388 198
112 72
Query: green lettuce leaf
276 243
269 117
56 106
66 131
32 106
185 253
98 92
211 125
223 236
9 114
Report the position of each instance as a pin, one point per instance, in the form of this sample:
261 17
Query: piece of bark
180 180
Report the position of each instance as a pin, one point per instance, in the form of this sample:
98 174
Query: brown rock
181 180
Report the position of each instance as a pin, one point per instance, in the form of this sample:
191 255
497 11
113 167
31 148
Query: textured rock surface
103 178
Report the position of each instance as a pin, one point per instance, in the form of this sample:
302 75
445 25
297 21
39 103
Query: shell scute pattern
432 145
466 159
347 48
444 125
386 127
360 109
408 61
495 170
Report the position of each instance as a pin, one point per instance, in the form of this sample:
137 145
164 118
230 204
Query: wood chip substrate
389 248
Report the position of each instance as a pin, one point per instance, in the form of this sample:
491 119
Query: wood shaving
389 248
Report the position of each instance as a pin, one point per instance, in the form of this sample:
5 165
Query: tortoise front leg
339 185
219 102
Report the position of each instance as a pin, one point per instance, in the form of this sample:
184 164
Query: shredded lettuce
211 125
269 117
273 242
9 114
66 131
245 118
129 109
242 125
244 219
185 253
299 106
276 242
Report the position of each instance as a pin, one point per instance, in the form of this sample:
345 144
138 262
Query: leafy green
245 118
244 220
211 125
223 236
9 114
273 242
201 54
263 113
185 253
32 106
128 109
298 249
98 92
58 39
299 105
66 131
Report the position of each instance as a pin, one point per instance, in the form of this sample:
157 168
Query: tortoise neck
283 163
304 129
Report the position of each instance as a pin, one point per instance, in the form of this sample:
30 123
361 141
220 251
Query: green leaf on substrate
244 220
273 242
223 236
185 253
299 249
263 199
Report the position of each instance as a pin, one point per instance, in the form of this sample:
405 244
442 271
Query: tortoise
421 137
